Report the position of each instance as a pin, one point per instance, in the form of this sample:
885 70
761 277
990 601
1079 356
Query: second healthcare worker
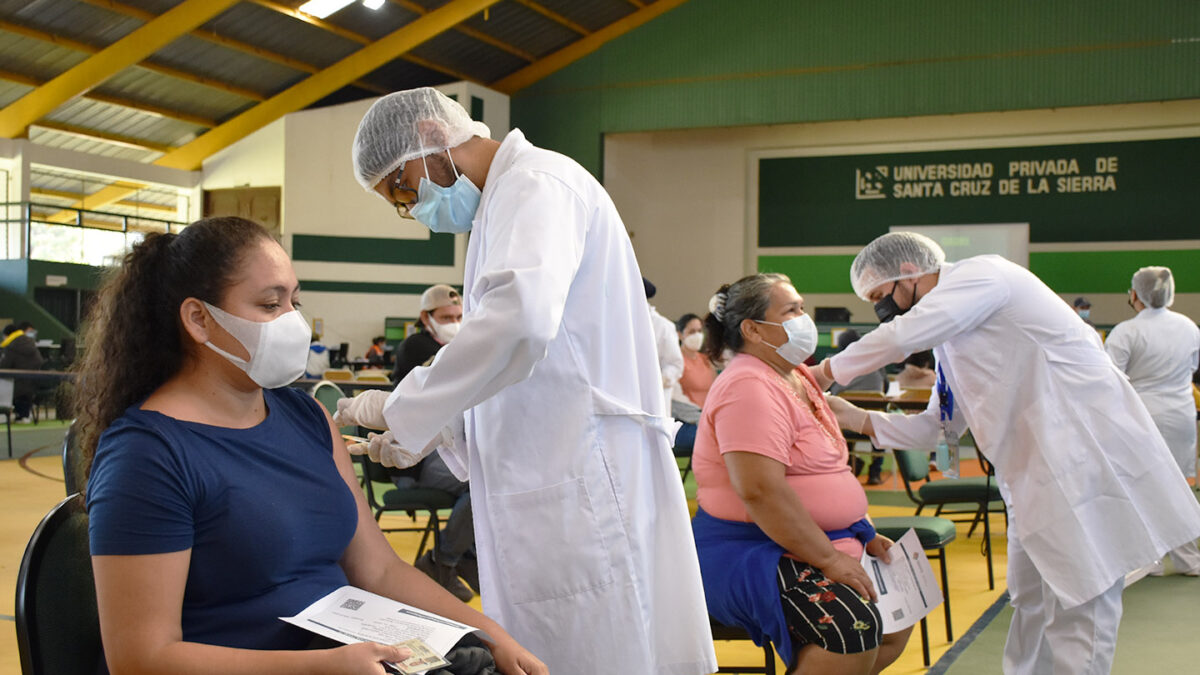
582 527
1092 491
1159 350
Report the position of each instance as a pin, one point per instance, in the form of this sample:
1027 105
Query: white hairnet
879 261
1154 286
405 125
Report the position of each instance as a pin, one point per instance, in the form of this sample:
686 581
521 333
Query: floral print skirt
825 613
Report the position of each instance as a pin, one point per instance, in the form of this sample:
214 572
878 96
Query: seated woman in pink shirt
782 520
698 370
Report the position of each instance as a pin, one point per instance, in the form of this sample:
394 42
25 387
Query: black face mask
887 309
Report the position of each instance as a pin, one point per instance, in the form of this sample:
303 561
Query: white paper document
350 615
907 587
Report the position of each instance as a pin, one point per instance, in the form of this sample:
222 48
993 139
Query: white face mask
278 348
444 332
694 341
802 339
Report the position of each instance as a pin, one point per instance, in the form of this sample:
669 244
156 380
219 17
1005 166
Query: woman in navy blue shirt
219 499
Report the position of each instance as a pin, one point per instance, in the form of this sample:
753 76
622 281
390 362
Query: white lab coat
670 356
1094 491
1159 350
585 548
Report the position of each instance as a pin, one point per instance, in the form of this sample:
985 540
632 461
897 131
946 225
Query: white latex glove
364 410
384 449
849 416
823 373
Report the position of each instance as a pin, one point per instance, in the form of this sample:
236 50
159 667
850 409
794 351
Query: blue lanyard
945 396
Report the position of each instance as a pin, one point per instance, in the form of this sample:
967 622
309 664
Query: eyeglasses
403 205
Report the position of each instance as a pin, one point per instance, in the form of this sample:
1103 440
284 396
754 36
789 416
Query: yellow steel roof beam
123 53
141 206
471 32
231 43
360 39
118 139
163 70
114 100
327 81
554 16
581 48
331 79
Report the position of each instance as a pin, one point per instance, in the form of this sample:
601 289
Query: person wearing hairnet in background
581 524
1160 350
1092 491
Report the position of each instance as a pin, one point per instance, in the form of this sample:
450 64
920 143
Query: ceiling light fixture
323 8
373 4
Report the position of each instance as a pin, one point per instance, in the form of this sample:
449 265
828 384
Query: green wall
715 63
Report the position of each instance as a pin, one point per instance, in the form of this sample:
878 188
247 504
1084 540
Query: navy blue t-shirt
264 511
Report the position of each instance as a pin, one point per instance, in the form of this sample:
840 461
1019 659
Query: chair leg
768 660
431 525
8 426
946 595
987 546
686 470
979 515
924 643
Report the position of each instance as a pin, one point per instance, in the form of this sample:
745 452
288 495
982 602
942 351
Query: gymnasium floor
32 485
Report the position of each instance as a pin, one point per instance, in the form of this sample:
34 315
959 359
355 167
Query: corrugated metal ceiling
250 52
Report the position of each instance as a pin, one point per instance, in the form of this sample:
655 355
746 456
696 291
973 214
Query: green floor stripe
961 645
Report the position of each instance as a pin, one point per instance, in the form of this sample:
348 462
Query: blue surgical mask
449 210
1085 313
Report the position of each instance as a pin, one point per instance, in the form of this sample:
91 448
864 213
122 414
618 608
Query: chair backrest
372 376
58 629
72 462
913 465
340 374
328 394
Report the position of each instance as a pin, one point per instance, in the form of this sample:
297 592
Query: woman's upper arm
363 560
140 601
754 476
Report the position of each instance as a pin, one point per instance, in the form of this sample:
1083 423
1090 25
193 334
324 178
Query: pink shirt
750 408
698 375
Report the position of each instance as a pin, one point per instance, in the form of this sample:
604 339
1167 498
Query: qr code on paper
352 605
897 614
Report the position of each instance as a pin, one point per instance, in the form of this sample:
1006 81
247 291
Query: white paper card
351 615
907 587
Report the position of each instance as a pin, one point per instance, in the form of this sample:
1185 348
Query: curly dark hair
133 340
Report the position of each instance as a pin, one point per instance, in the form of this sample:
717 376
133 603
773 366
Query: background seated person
687 397
220 499
782 521
441 315
918 372
21 353
454 557
376 353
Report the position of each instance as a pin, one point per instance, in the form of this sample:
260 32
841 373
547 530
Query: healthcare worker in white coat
1160 350
666 341
582 527
1092 491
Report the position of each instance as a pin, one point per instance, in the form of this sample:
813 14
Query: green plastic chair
913 466
409 500
935 534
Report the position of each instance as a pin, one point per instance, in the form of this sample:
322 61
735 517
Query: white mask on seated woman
802 339
278 348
